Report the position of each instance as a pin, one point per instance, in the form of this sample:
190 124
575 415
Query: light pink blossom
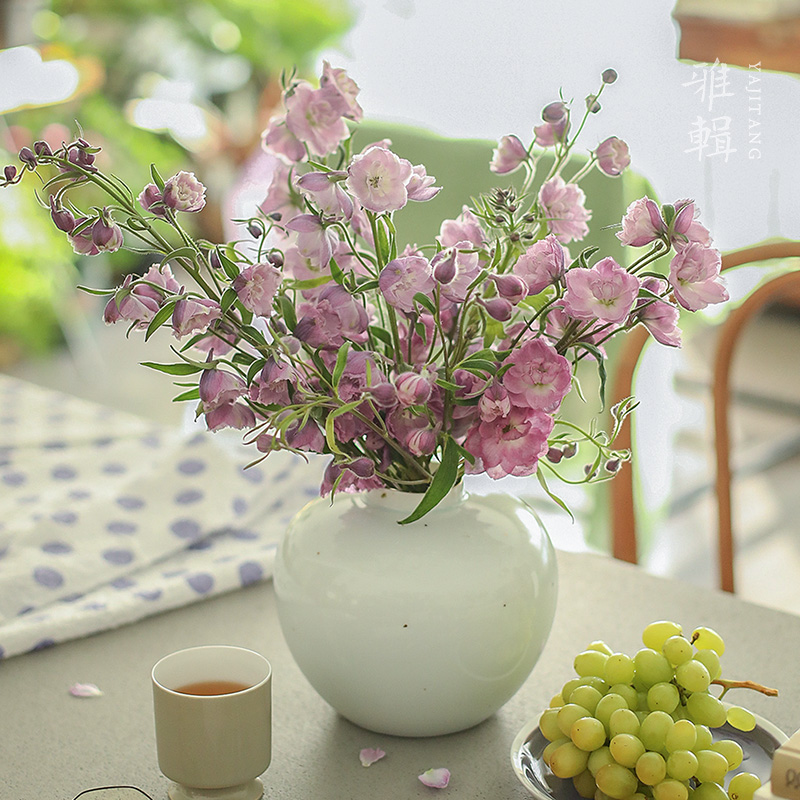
230 415
256 287
694 274
325 189
349 481
509 445
494 402
272 384
194 314
508 156
315 117
555 126
335 317
152 200
606 292
81 242
404 277
279 199
420 186
563 205
455 269
657 315
464 228
378 179
539 378
314 240
686 228
218 386
613 156
542 264
183 192
279 141
641 224
338 81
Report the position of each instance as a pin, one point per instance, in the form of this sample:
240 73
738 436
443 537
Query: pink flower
510 287
279 196
350 480
413 389
272 384
339 82
152 200
641 224
494 403
314 240
404 277
659 317
420 185
138 301
694 274
278 140
325 189
539 377
542 264
465 228
564 208
333 318
555 126
508 156
455 269
315 117
107 235
509 445
606 292
230 415
183 192
194 314
378 178
219 387
685 227
256 287
82 242
613 156
416 430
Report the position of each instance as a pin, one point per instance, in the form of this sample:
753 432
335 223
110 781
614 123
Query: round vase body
420 629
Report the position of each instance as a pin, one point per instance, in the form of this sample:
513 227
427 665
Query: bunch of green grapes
640 727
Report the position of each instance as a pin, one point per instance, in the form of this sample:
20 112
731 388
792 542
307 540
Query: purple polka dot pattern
118 556
130 502
241 533
250 572
43 644
189 496
201 582
46 576
121 527
114 468
191 466
64 473
57 548
14 478
150 594
186 528
123 583
253 475
239 506
65 517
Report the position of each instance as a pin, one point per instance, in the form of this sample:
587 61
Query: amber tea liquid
207 688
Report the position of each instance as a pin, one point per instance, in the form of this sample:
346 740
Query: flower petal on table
84 690
436 778
370 755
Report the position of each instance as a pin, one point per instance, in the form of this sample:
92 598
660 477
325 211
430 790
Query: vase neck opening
395 500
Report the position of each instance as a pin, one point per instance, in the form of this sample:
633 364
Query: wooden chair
623 507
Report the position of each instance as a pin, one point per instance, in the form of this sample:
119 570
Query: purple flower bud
275 258
570 450
10 172
27 157
62 218
422 442
255 228
554 455
511 287
554 112
498 308
151 200
183 192
107 235
592 104
80 157
612 155
412 389
384 395
609 75
363 467
215 260
613 465
41 148
444 265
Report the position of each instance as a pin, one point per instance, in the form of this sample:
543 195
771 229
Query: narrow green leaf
366 286
228 298
382 241
159 318
255 367
173 369
585 255
98 292
555 498
425 302
230 267
287 312
443 481
337 274
601 368
341 363
179 252
453 387
192 394
311 283
380 333
243 358
157 179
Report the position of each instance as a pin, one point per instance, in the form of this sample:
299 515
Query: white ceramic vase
419 629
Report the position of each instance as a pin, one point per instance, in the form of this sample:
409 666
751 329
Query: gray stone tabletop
53 745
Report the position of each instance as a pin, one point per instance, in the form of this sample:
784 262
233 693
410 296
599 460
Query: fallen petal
436 778
369 756
84 690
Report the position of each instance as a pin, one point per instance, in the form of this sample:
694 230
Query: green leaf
341 363
366 286
380 333
601 368
255 367
585 255
243 358
160 317
337 274
452 387
98 292
555 498
192 394
425 302
311 283
443 481
382 241
179 252
480 364
157 179
230 267
287 312
173 369
228 298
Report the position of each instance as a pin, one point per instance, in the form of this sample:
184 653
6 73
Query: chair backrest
623 502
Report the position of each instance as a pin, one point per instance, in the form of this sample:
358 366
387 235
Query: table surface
54 745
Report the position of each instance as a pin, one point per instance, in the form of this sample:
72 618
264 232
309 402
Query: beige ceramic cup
213 747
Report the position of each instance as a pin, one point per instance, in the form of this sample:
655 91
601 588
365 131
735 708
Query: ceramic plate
758 746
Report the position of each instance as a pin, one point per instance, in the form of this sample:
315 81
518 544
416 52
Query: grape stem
729 684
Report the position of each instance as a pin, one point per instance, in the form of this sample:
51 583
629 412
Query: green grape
548 724
692 676
704 738
654 728
569 687
616 781
586 696
556 701
681 736
568 761
656 633
584 784
741 718
663 697
670 789
651 667
712 767
619 668
548 751
587 733
708 639
709 791
743 786
599 758
681 764
623 720
710 660
626 749
706 709
601 647
607 706
677 649
731 750
628 692
568 714
651 768
593 680
590 662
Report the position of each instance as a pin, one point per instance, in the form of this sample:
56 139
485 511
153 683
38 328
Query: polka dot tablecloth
106 518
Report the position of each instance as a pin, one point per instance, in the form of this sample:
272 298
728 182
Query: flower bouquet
409 368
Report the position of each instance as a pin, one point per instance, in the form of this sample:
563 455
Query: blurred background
708 100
